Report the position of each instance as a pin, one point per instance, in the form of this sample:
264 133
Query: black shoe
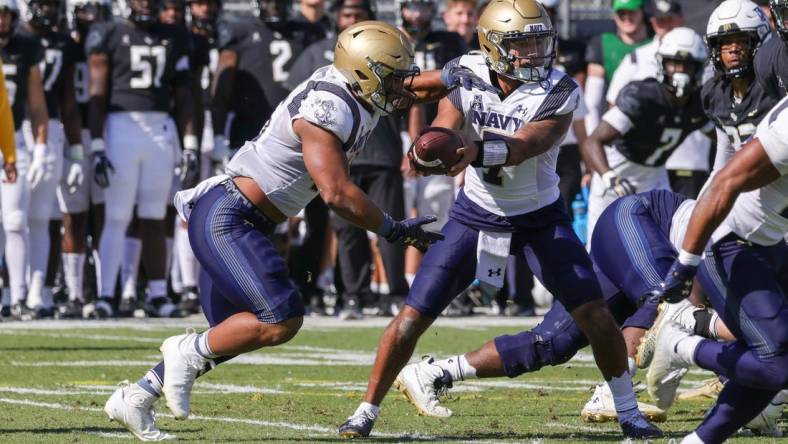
190 303
357 426
162 307
5 311
71 310
638 427
127 307
103 309
41 312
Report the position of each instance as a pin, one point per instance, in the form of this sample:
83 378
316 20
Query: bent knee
282 332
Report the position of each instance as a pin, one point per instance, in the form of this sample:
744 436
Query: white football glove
37 169
75 174
618 185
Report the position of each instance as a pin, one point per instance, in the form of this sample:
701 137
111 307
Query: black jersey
265 57
82 84
571 56
738 120
435 50
20 54
145 63
771 67
658 126
60 52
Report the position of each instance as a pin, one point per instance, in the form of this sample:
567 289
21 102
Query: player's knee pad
15 220
528 351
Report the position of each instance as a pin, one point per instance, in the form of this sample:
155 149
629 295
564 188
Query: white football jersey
761 216
274 158
512 190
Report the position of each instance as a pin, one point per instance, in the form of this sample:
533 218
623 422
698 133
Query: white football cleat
681 312
667 367
421 384
602 408
765 424
131 406
182 365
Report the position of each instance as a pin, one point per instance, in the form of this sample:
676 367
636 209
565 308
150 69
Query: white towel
492 251
184 200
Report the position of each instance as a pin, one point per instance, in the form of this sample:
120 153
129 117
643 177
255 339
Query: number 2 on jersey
147 62
282 53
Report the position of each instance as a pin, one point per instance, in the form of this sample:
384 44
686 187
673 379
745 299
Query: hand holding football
435 150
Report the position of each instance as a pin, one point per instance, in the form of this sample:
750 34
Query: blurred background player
629 148
314 12
771 61
60 55
461 16
7 143
21 56
606 51
81 15
136 67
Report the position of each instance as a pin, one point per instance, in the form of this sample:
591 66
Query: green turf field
56 377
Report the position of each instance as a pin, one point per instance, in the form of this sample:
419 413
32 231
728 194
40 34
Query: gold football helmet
377 61
517 39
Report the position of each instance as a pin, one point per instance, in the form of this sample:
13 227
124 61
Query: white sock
187 262
713 325
132 252
16 259
685 348
157 288
369 409
74 271
39 248
168 242
623 395
692 438
410 277
153 383
633 368
35 290
174 273
97 267
458 367
202 347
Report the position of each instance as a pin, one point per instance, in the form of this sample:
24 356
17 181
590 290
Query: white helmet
736 17
685 46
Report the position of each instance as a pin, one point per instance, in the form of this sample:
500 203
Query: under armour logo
491 272
247 223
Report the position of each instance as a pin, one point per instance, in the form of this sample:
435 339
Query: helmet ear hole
361 75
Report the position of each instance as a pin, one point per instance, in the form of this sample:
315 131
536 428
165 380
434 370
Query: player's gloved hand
75 175
618 185
102 167
190 168
37 169
454 76
410 231
678 282
190 162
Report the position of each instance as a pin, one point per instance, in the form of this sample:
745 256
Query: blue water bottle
580 215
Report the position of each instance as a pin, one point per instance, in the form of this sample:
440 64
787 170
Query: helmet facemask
526 56
745 67
682 82
394 87
5 34
779 10
45 14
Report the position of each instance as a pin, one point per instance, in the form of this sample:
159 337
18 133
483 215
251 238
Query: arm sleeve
725 150
594 94
594 50
7 136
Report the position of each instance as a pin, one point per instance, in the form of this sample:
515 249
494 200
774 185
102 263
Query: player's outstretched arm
535 138
431 86
748 170
327 165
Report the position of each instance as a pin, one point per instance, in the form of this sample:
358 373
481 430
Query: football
435 150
